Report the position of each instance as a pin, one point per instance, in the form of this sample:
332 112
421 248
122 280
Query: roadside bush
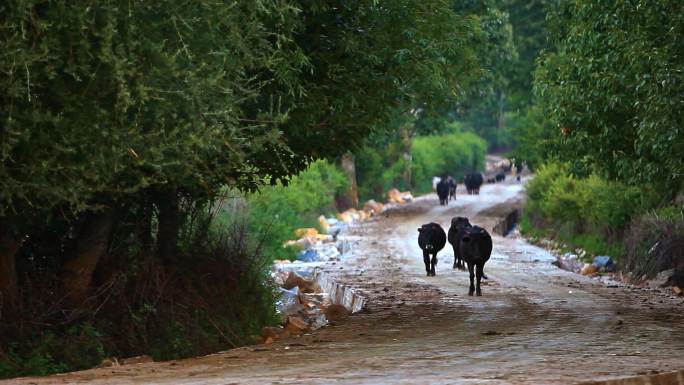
279 210
378 169
655 241
453 154
215 296
587 212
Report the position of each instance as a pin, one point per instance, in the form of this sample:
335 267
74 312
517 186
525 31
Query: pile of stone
303 307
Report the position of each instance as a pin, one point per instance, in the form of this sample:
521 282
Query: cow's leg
457 260
472 276
480 267
426 259
434 264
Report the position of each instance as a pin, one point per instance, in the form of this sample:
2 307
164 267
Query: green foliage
613 83
276 211
452 154
587 212
380 166
529 26
589 203
378 169
79 347
103 102
533 138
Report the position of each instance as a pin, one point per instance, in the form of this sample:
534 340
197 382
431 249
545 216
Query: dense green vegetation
452 154
278 210
589 212
124 123
382 168
609 108
613 84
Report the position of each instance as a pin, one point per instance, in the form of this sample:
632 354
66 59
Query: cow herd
446 186
471 243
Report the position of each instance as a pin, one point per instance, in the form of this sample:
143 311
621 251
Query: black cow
454 237
500 177
431 239
452 188
443 191
473 181
475 248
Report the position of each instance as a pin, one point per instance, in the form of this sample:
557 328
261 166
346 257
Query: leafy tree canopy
613 86
100 102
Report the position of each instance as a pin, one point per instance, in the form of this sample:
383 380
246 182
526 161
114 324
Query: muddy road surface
534 324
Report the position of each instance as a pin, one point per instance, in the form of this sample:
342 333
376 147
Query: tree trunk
169 225
92 243
351 196
406 147
8 273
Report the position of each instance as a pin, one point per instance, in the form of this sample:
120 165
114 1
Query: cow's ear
420 229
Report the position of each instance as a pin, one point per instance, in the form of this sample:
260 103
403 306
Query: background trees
610 88
613 86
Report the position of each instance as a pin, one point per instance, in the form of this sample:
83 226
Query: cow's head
460 222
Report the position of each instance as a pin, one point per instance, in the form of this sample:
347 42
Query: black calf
431 239
475 248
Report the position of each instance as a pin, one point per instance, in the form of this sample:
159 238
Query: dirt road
535 324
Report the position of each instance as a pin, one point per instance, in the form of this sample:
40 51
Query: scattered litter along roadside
604 268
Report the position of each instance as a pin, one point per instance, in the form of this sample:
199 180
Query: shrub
453 154
655 241
587 212
379 169
279 210
216 295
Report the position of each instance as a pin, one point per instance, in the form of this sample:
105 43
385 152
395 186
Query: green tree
137 107
613 86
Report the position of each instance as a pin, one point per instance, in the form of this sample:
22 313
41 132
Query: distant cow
443 191
456 230
501 176
475 248
431 239
452 188
473 181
